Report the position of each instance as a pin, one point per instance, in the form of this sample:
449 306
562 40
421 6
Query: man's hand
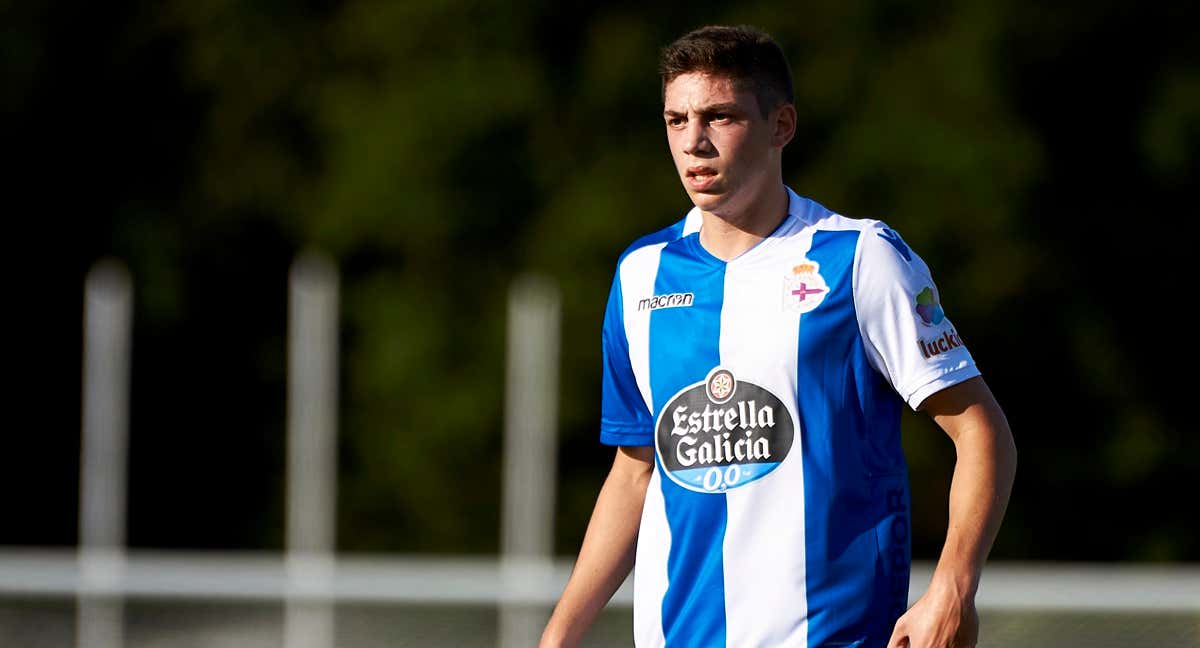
942 618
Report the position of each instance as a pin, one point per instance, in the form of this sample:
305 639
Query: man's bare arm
982 482
607 554
983 476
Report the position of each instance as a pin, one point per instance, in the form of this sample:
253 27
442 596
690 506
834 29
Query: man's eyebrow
705 110
719 108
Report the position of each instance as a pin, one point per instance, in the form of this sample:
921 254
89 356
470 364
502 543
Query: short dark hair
745 54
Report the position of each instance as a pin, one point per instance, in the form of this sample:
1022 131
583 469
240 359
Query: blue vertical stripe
841 503
665 235
624 419
684 346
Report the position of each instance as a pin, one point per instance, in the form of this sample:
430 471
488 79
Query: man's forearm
607 554
979 492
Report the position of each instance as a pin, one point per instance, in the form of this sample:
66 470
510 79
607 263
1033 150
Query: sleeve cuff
938 382
626 436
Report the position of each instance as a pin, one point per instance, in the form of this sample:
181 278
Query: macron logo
892 237
673 300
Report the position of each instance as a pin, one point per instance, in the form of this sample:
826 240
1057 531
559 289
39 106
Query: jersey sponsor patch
804 289
722 433
928 308
944 343
672 300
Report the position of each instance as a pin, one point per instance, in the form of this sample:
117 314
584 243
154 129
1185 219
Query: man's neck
727 236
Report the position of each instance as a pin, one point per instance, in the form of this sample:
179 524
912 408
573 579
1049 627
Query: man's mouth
700 177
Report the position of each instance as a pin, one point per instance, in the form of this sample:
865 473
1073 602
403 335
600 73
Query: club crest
804 288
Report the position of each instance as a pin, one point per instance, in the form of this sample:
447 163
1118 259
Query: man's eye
720 117
674 121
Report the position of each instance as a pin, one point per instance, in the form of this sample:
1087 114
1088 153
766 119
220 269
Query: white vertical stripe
691 222
638 273
650 570
764 554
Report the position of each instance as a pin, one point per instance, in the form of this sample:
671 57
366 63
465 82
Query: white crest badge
804 289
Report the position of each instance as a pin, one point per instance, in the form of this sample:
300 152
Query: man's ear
783 119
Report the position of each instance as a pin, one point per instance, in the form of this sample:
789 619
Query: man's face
724 150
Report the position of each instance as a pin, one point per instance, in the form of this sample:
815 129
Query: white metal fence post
312 451
108 321
530 431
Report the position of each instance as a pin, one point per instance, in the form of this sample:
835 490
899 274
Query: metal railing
309 577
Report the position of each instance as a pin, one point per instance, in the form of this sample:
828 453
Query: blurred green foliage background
1042 158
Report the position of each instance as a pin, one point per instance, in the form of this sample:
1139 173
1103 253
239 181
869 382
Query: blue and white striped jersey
771 387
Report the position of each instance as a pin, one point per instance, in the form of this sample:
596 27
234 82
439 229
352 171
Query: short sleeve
624 418
907 336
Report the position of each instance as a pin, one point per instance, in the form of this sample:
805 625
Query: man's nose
696 140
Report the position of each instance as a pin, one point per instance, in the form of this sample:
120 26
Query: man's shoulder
815 216
876 235
877 252
673 232
830 221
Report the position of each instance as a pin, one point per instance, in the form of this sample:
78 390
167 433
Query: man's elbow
1012 453
633 465
1006 450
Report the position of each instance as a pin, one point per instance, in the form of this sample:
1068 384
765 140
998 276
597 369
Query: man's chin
708 199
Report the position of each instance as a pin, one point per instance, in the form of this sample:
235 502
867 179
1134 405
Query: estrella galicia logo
891 236
722 433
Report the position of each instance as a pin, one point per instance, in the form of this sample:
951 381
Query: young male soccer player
756 357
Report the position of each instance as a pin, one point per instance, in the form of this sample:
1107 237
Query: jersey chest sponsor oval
722 433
